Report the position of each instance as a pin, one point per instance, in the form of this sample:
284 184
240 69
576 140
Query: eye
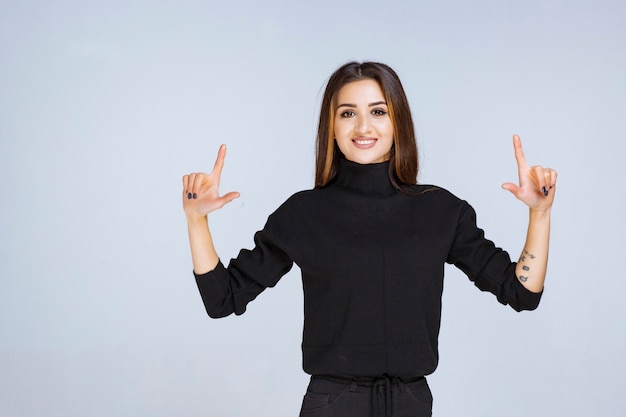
347 113
379 112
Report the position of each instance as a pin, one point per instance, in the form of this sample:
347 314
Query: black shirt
372 261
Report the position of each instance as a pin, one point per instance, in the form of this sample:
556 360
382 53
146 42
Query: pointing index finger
522 166
219 162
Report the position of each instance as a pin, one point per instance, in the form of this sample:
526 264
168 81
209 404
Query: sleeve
227 290
489 267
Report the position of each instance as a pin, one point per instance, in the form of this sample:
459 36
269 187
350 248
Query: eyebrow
377 103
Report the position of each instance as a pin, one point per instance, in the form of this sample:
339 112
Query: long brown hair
403 161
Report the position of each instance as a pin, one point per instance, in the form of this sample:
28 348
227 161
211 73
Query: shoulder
288 220
439 200
298 202
434 192
301 198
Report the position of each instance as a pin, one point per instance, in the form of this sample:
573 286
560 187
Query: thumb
509 186
227 198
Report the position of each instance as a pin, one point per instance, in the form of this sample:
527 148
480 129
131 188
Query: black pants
330 396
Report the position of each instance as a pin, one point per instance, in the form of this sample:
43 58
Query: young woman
371 245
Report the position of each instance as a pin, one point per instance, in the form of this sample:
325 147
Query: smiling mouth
364 143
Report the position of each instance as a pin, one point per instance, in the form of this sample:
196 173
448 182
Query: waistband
381 388
366 380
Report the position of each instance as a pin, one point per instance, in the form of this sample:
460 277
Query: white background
105 105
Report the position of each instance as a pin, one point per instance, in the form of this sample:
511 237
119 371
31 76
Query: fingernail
545 191
189 196
195 196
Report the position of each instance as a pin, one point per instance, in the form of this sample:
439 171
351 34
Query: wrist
543 214
196 220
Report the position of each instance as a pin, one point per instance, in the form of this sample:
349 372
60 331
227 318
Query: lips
364 143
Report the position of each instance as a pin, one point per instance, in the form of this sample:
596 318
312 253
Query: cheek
389 129
384 130
335 127
340 128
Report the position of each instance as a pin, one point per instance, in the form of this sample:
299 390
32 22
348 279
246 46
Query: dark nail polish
545 191
189 196
195 196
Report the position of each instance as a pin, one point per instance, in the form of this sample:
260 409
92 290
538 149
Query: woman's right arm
200 197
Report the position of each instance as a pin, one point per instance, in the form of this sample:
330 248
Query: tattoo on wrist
523 278
525 268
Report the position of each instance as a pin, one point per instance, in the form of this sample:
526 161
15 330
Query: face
363 128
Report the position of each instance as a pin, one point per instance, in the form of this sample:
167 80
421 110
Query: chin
369 161
372 160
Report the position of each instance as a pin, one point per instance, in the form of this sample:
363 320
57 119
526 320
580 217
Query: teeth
364 141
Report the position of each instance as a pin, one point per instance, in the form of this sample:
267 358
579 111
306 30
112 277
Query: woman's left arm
536 189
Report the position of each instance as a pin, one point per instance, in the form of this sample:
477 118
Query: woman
371 245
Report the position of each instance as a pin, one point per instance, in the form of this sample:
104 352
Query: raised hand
537 184
201 191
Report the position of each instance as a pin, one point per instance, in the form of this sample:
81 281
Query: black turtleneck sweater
372 261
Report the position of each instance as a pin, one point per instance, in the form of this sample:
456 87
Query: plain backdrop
105 105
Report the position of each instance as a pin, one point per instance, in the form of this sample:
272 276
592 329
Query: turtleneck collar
370 179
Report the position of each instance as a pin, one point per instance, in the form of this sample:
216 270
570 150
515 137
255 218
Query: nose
363 124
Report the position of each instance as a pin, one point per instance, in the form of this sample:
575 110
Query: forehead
367 91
